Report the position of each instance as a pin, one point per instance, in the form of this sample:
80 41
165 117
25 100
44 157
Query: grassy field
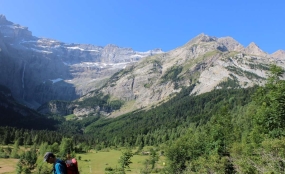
70 117
92 162
8 166
96 162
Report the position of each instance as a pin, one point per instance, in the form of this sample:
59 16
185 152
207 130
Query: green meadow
93 162
96 162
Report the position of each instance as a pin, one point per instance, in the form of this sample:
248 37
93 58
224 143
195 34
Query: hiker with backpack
59 166
71 163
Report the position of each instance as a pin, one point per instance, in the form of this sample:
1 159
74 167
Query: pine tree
125 159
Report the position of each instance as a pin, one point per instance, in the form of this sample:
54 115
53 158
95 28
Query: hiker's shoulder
59 162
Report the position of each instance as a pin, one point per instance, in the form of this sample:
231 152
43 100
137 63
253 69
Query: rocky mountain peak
279 54
252 48
201 38
13 31
230 43
111 46
157 50
204 38
253 45
4 21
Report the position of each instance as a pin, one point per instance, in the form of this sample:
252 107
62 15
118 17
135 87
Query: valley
208 106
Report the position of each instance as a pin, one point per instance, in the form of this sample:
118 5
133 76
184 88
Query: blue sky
148 24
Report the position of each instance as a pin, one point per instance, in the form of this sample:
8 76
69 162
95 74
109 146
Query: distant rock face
9 105
57 108
38 70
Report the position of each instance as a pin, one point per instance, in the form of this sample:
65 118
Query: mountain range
39 71
207 62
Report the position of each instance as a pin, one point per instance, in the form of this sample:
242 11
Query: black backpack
63 164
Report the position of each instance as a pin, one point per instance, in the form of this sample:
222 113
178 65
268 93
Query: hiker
59 166
71 163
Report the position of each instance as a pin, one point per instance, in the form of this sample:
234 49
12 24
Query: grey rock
279 54
253 49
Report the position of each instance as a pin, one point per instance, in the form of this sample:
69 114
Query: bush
109 169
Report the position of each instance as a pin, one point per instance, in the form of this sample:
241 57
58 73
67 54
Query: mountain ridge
206 62
45 69
57 70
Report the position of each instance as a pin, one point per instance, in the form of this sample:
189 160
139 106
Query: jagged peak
201 38
204 38
278 54
254 49
253 45
3 17
228 39
4 21
111 46
279 51
230 43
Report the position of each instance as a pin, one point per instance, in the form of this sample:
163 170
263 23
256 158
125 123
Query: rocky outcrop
57 108
85 111
253 49
230 44
279 54
9 107
12 31
4 21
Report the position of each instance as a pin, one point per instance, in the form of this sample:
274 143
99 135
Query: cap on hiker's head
47 155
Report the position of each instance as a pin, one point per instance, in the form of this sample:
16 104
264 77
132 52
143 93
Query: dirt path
8 165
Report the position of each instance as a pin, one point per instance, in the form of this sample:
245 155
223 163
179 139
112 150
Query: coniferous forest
228 130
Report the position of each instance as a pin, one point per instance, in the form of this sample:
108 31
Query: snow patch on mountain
56 80
41 51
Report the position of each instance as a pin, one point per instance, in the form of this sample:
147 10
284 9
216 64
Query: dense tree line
160 124
27 137
167 121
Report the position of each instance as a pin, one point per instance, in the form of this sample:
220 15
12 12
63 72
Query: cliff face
57 108
38 70
9 108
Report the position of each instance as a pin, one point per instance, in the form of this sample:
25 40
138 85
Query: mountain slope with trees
228 130
17 115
